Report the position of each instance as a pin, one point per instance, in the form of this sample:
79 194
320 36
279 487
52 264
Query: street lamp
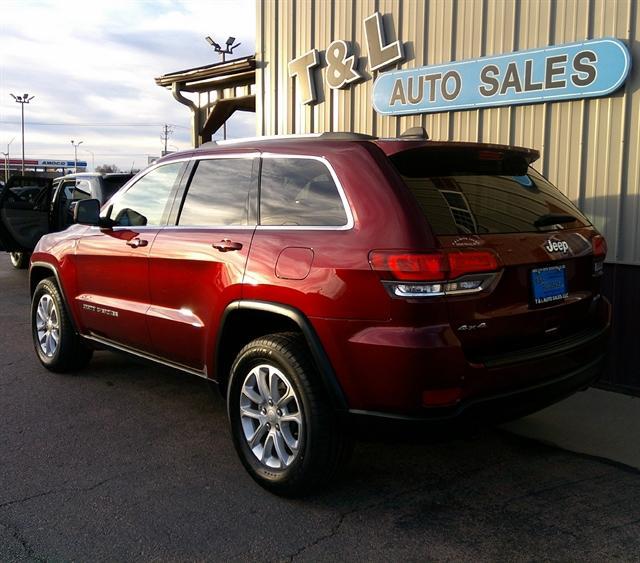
24 99
6 161
93 158
75 155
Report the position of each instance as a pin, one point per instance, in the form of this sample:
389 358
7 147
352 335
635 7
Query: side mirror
87 212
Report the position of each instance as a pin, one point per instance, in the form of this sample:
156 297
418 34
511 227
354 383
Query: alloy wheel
48 325
271 416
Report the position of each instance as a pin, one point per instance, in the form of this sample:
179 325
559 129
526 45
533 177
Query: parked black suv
31 206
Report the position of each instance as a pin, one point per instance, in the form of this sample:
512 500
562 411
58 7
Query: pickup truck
32 206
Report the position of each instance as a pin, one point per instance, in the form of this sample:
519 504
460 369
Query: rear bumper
499 407
403 373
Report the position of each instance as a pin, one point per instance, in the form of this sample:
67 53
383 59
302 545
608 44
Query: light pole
24 99
228 51
6 161
93 158
75 155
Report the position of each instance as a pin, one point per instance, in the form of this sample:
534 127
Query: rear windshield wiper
553 219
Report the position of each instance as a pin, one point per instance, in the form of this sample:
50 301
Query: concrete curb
594 422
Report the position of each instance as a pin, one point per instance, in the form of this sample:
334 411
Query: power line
91 124
119 154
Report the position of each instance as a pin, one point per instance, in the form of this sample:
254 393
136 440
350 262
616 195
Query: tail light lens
435 273
410 267
599 246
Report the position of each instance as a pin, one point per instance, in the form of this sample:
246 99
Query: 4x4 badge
556 246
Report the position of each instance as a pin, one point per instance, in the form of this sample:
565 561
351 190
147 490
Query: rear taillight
599 246
411 274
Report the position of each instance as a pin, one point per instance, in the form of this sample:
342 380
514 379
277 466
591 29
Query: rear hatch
482 200
24 212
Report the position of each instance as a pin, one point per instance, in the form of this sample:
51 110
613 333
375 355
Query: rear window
482 192
111 184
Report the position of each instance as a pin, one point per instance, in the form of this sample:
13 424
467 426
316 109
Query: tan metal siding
589 148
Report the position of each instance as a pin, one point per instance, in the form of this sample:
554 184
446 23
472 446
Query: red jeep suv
324 278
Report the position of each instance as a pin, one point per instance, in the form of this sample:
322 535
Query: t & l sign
562 72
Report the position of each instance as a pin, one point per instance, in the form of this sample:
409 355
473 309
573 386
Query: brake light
599 245
408 266
434 273
470 262
490 155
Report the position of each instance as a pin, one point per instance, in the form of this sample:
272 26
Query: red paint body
389 355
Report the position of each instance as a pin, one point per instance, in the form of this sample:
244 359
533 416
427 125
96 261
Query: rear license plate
549 284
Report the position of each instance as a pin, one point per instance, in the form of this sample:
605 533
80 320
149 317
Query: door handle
137 242
226 245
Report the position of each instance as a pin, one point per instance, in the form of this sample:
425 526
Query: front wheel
57 345
287 435
19 260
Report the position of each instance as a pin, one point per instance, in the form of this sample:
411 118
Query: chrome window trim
343 198
251 155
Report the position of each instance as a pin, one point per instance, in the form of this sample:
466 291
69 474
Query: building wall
589 148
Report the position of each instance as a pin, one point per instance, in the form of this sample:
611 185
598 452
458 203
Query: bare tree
107 168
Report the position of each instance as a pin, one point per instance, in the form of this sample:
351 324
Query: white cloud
94 63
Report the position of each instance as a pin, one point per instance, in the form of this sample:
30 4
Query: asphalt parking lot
126 461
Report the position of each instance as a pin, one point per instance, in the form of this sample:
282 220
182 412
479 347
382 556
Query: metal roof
226 74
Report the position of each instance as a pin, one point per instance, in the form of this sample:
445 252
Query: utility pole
24 99
167 130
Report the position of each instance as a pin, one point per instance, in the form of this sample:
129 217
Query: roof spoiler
415 133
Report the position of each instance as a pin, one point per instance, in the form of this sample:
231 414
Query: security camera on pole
228 51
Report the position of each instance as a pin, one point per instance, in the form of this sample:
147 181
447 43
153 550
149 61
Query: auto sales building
560 76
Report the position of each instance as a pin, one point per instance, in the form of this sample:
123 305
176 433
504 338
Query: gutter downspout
195 113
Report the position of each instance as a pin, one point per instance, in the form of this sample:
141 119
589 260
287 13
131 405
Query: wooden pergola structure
220 89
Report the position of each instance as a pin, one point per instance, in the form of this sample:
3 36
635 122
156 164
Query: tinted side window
82 190
297 191
219 193
145 201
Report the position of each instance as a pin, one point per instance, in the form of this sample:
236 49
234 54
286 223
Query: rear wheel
57 345
286 433
19 260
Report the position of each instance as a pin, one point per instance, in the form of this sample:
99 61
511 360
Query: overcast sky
91 67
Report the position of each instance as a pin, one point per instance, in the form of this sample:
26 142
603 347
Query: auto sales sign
561 72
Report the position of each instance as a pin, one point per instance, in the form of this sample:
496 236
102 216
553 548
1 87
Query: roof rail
346 136
415 133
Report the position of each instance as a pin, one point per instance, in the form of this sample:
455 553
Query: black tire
19 260
70 353
324 445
